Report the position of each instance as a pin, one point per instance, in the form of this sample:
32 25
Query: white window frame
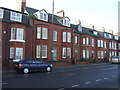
20 33
95 32
84 54
38 49
64 52
69 37
13 31
87 41
93 42
44 56
54 35
16 17
76 39
84 39
12 53
69 52
105 44
19 53
102 43
98 43
44 33
64 36
38 32
1 13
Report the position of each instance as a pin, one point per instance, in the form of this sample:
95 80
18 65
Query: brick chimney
23 6
61 13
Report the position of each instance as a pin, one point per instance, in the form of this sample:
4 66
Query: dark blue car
27 65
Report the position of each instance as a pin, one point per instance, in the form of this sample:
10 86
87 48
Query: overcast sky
100 13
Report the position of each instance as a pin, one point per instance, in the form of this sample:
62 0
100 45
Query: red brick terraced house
34 35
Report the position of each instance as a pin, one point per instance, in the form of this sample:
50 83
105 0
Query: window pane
84 54
12 33
69 52
64 36
19 34
92 42
19 53
38 32
98 43
64 53
69 37
44 33
76 39
54 35
84 41
11 53
38 51
44 51
1 13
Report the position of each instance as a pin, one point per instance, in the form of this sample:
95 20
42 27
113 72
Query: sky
100 13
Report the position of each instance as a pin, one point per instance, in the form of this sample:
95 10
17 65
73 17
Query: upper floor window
105 44
93 42
100 43
42 32
110 36
69 37
54 35
1 13
105 35
66 36
86 41
42 15
16 16
76 39
116 37
66 21
95 32
17 34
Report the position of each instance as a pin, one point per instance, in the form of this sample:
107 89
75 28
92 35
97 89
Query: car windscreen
115 57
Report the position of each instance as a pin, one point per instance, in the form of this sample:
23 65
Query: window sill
18 41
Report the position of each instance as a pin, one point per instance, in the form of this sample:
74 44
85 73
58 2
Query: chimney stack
61 13
23 6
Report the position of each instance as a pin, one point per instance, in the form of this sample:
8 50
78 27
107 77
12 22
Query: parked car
27 65
115 59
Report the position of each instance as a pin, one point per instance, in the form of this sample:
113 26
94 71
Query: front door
54 54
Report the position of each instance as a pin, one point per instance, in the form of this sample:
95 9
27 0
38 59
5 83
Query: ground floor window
100 54
66 52
86 54
41 51
16 53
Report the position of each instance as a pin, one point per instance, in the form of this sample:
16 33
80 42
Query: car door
40 65
31 64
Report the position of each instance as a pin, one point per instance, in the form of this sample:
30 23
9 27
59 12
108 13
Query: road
87 76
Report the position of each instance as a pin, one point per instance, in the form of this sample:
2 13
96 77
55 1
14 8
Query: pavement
7 70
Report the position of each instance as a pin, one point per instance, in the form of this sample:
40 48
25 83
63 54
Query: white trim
1 13
12 40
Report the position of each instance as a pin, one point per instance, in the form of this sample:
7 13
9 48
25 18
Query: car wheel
48 69
25 70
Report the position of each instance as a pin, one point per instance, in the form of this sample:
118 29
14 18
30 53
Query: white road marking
3 83
70 74
106 78
87 82
75 85
110 68
98 80
60 89
114 76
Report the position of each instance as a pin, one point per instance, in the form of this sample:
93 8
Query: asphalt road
88 76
